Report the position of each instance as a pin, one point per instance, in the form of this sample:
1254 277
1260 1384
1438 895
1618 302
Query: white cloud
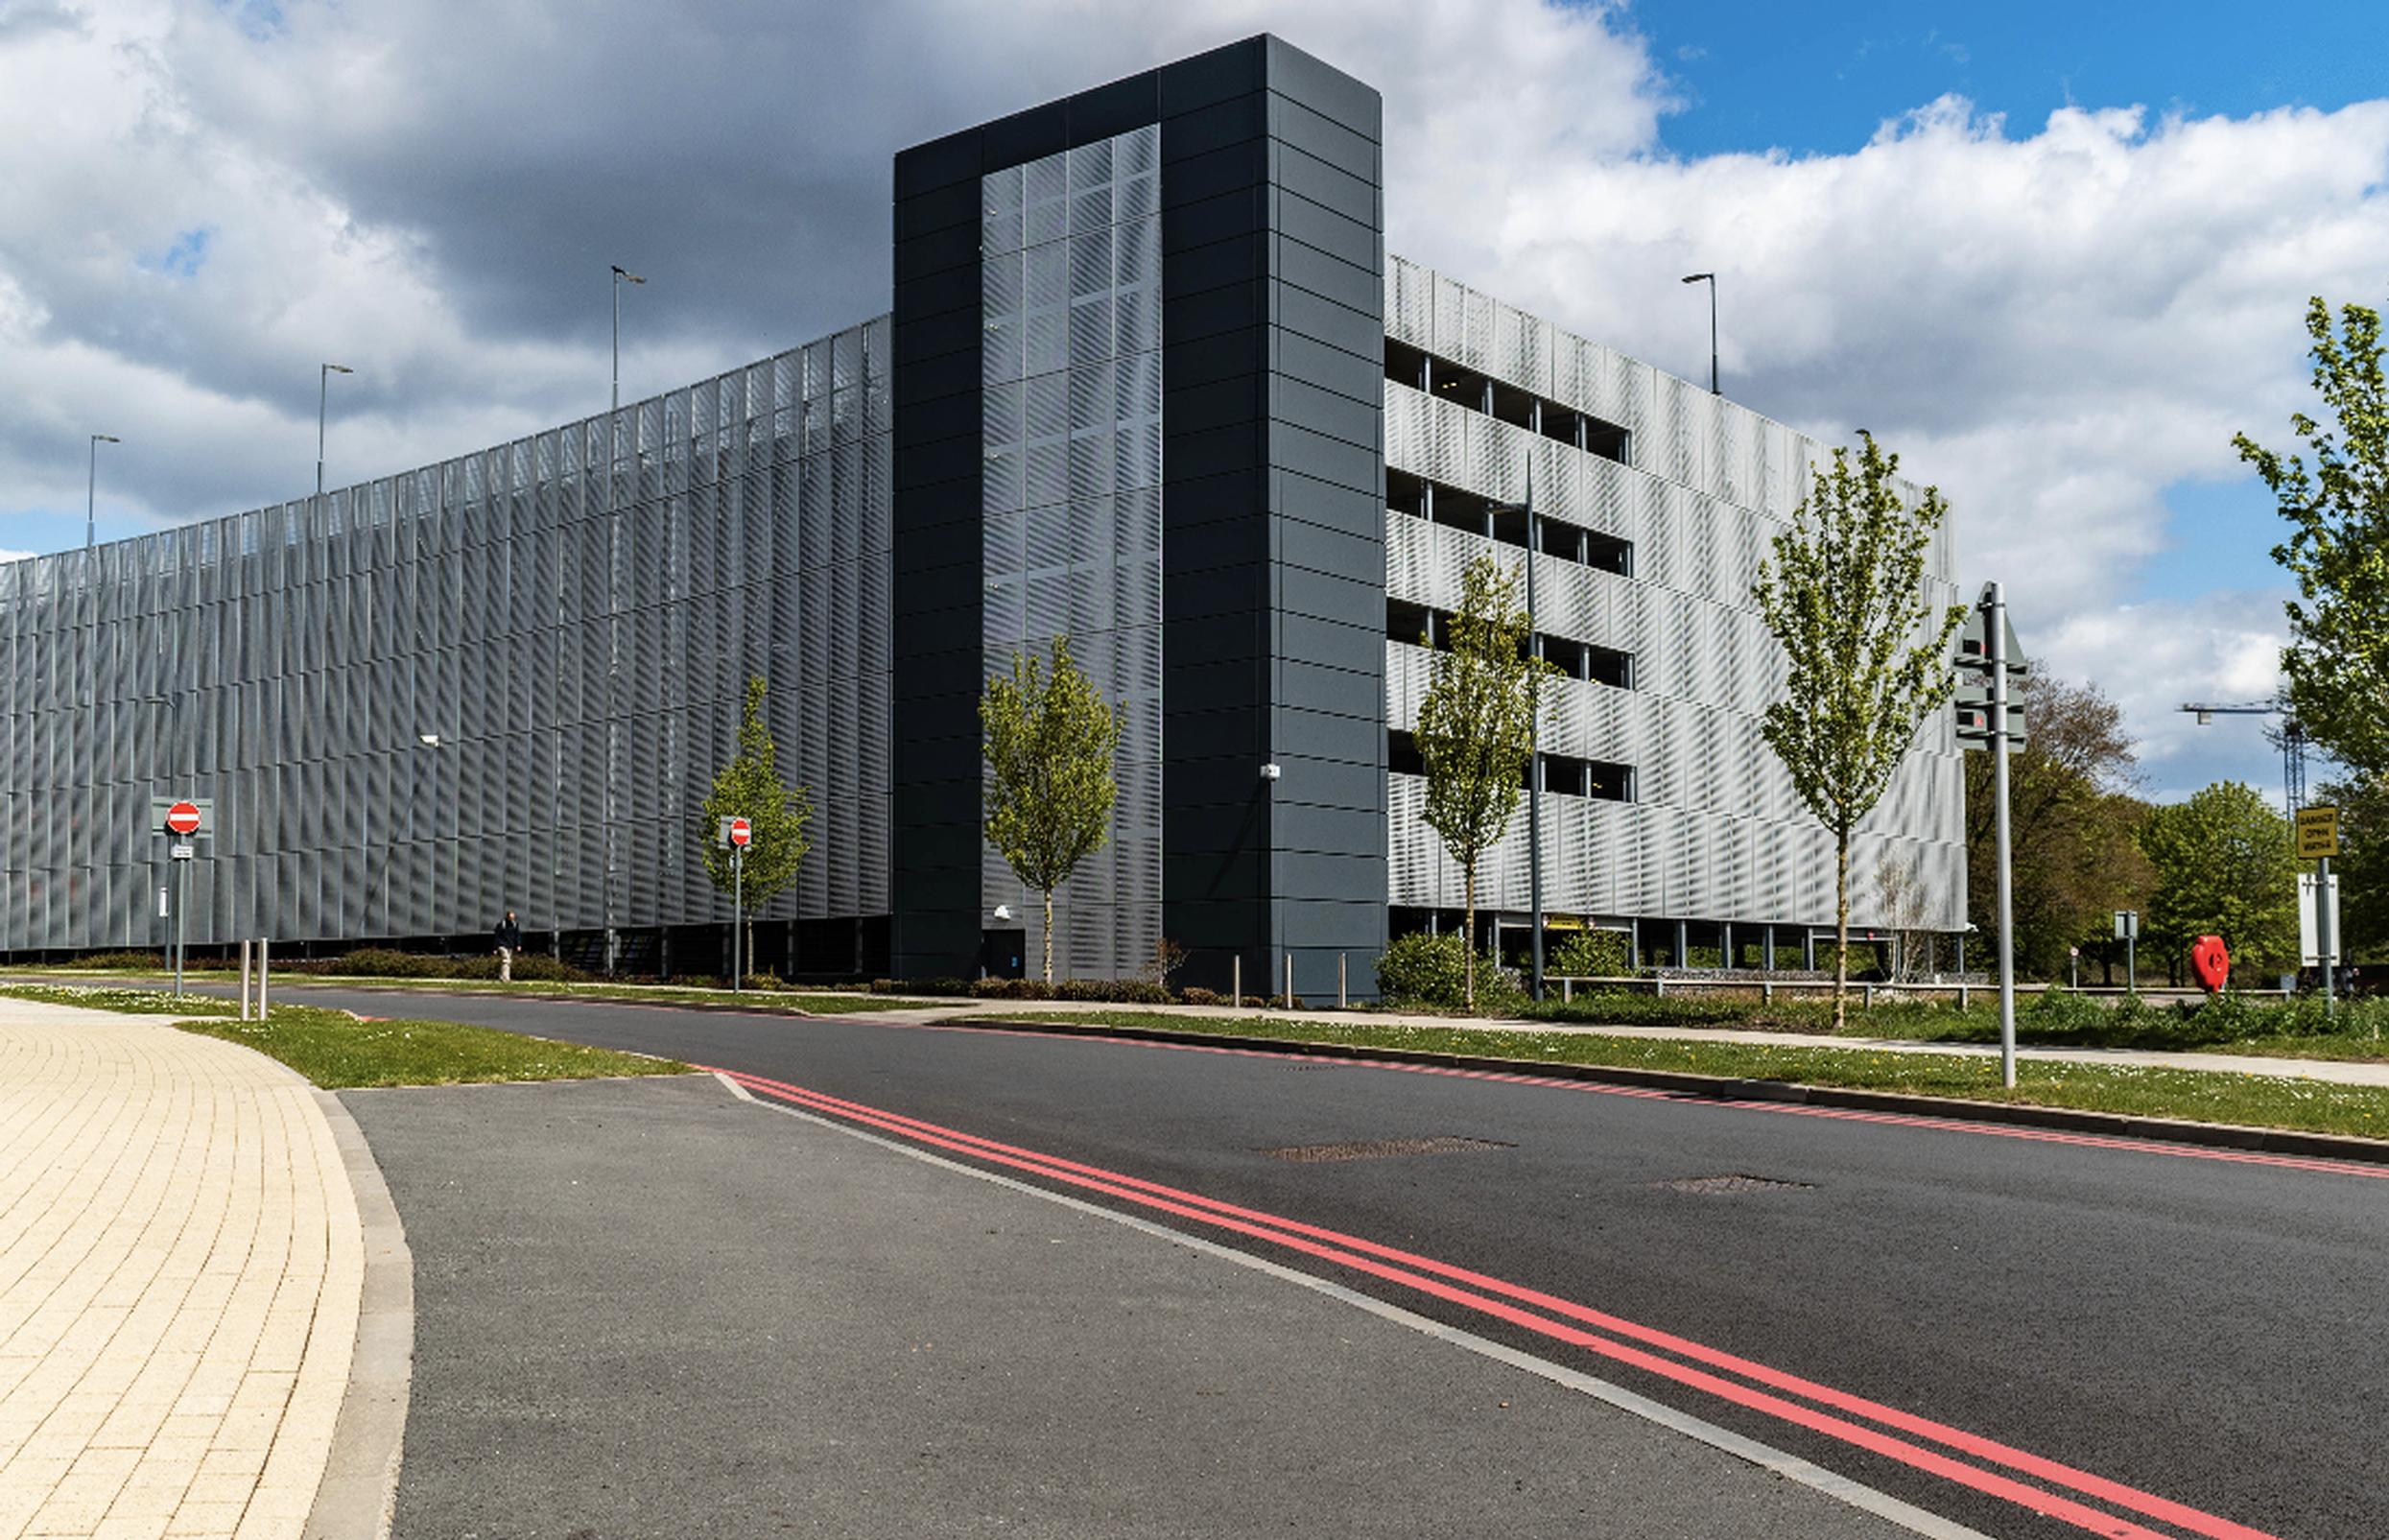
2054 322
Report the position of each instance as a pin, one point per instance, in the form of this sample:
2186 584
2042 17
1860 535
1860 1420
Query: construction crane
2291 735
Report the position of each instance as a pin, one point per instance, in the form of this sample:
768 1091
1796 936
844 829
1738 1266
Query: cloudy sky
2054 258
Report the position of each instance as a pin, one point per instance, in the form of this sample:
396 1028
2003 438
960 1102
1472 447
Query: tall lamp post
323 400
605 893
1534 737
1711 279
622 276
91 492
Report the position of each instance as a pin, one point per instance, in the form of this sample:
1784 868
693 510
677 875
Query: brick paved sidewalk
180 1265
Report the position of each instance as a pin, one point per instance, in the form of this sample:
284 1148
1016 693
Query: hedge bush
1591 955
1422 969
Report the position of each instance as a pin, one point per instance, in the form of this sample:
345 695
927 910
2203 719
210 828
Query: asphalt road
648 1311
2206 1331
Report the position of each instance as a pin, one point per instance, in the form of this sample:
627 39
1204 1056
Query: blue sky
1822 77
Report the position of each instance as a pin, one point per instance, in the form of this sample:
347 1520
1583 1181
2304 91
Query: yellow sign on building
2318 833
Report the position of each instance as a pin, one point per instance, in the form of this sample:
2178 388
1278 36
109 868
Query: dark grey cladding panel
1320 135
955 205
1320 86
1295 400
1198 132
1198 268
1334 643
1239 211
1337 597
1330 276
1325 735
1206 80
1356 376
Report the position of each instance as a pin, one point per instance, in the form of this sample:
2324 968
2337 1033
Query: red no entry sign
741 833
183 818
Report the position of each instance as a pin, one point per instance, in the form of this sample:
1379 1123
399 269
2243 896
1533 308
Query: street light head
628 276
340 368
1700 278
106 438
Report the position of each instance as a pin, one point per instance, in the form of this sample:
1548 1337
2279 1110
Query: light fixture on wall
1270 771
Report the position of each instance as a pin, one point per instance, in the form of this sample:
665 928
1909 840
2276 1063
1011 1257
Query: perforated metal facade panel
1713 831
574 615
1071 408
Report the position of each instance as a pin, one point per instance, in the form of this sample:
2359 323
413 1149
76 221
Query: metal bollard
1343 995
245 964
265 949
1659 986
1290 981
1236 980
1869 997
1567 990
1766 992
1961 997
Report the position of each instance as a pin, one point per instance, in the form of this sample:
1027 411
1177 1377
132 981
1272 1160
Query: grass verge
336 1051
2201 1096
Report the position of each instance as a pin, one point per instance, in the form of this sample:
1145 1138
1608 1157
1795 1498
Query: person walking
509 937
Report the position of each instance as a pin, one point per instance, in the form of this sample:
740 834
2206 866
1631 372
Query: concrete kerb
1726 1088
360 1488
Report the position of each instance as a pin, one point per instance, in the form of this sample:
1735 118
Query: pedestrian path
180 1266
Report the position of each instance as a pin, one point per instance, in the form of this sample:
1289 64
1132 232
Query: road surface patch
1387 1149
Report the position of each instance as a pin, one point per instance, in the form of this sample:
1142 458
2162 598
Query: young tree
2338 548
1048 742
2224 868
749 787
1476 727
1868 653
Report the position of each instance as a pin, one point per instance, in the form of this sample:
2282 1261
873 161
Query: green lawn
336 1051
2204 1096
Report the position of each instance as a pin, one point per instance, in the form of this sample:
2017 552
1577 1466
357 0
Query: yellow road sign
2318 833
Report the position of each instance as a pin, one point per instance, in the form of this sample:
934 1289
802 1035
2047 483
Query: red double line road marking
1412 1271
1652 1092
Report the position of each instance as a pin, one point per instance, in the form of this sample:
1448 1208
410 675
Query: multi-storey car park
1150 381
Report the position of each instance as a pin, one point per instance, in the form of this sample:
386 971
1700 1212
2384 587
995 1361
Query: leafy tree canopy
1048 737
1867 651
2338 548
2223 868
749 787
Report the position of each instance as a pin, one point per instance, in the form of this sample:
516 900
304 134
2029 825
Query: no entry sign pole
735 835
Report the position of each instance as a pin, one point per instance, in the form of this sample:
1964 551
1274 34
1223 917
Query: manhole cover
1736 1182
1387 1149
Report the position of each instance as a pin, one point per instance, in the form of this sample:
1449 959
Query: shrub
1011 989
1592 955
1425 969
1196 994
121 960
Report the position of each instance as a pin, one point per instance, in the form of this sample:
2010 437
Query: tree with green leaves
2224 868
2338 549
2071 825
1477 727
1867 651
781 815
1048 738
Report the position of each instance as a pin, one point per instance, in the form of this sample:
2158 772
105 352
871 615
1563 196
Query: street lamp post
91 492
323 400
1534 738
605 894
1711 279
622 276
